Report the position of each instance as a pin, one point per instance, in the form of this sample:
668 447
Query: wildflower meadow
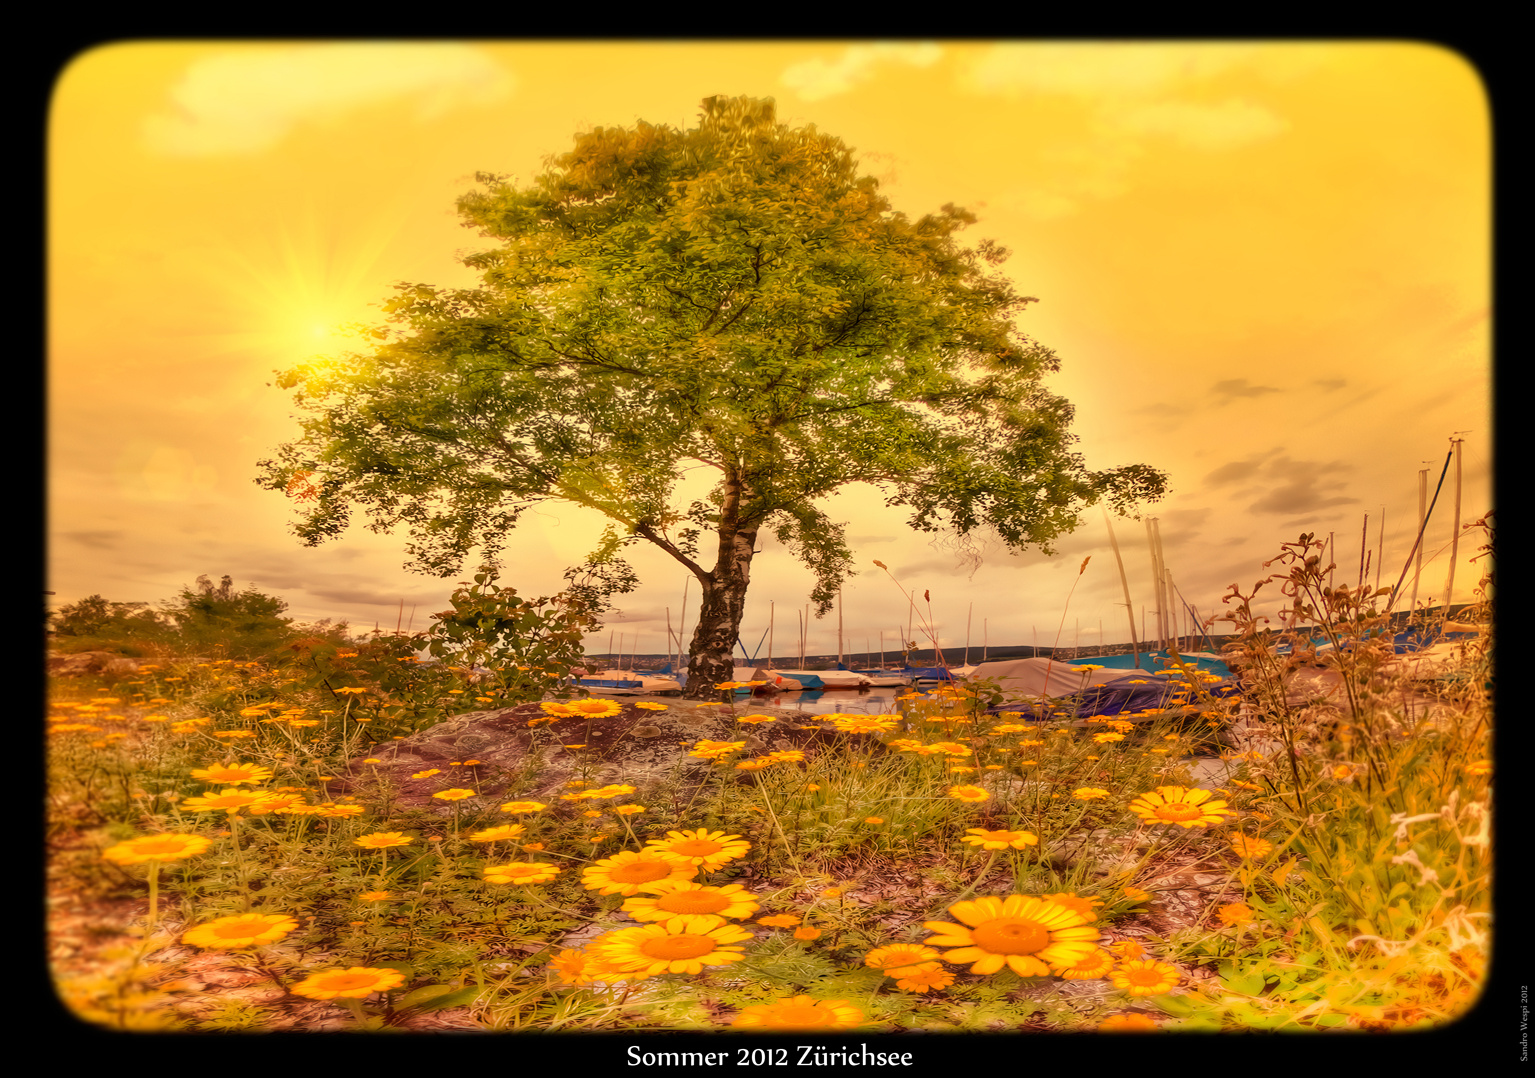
228 849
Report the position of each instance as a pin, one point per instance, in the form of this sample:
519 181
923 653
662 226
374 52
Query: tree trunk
722 604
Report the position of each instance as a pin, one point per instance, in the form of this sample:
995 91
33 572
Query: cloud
1282 485
248 101
1231 123
1123 99
1330 384
1093 69
1301 486
1240 387
1236 471
816 79
96 539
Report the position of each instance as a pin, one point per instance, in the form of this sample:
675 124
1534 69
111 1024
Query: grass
1356 898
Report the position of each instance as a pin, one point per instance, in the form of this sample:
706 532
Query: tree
239 625
96 619
733 295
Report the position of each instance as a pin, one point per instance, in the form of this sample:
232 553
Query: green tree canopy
216 619
734 295
95 617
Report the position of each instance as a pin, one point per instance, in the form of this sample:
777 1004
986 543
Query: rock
515 761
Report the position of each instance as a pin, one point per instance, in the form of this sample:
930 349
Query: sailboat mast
1380 551
770 634
1422 516
1124 583
1449 587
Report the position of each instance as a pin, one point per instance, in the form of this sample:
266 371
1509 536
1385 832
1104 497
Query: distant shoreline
956 655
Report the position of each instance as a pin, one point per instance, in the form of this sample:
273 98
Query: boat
630 683
826 679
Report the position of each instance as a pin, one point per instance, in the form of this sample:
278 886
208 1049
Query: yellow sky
1265 268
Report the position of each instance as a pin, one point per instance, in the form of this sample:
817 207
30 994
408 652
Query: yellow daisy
594 709
383 840
232 774
968 793
522 872
168 847
524 806
779 920
628 873
800 1012
1177 805
589 965
999 840
353 983
1250 847
499 834
706 849
1095 965
713 750
923 978
949 748
1145 977
1072 902
669 899
1127 1023
1235 913
231 800
1025 933
863 724
244 930
896 955
683 944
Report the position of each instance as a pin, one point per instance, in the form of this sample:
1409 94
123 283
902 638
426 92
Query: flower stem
154 893
776 825
979 877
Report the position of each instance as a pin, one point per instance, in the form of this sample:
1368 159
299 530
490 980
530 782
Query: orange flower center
1146 977
696 847
348 982
161 846
692 902
241 929
902 958
1178 811
669 948
1011 935
640 872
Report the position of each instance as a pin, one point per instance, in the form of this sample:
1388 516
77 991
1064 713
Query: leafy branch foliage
732 296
